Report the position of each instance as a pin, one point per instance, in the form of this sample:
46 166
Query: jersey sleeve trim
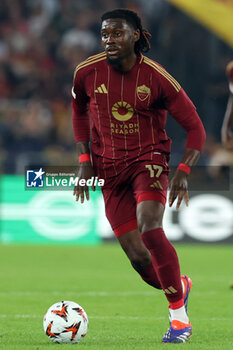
163 72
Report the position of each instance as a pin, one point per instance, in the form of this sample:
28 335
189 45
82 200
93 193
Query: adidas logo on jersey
102 89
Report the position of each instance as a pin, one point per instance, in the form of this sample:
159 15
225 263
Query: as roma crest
143 92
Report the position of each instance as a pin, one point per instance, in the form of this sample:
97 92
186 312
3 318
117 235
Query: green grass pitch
124 313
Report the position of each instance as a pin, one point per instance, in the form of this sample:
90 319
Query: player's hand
85 171
179 189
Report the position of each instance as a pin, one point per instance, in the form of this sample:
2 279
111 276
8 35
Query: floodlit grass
124 312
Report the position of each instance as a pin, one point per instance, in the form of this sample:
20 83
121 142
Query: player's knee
148 221
140 259
138 255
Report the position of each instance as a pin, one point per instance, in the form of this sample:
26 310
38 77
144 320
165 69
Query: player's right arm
81 127
85 171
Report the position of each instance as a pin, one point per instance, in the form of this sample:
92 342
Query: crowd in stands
41 43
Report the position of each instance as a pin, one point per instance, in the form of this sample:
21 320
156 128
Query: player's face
118 39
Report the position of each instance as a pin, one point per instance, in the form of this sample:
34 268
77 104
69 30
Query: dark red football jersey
125 113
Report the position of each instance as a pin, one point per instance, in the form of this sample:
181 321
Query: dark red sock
165 262
149 275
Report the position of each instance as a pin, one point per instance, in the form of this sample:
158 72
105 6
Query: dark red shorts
142 180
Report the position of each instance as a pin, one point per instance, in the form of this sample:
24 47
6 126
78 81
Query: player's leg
150 188
164 257
139 256
120 208
166 263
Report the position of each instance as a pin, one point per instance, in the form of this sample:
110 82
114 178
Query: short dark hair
131 17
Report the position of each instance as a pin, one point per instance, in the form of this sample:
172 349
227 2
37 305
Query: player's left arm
184 112
179 182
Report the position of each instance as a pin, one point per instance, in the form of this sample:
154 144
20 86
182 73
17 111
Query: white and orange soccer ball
65 322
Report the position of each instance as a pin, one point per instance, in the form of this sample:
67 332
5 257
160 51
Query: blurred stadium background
41 42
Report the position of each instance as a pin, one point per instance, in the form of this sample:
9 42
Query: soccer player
121 99
227 127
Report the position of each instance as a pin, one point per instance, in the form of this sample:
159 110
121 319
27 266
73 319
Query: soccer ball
65 322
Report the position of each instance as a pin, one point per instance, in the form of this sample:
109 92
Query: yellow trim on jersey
87 63
91 58
141 59
162 71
